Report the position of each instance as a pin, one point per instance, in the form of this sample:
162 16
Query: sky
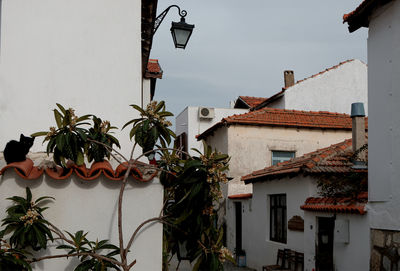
241 47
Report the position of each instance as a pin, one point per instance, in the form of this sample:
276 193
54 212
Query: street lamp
180 31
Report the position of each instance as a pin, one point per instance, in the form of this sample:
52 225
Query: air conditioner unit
206 113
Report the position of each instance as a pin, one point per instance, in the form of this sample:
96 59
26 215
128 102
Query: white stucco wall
92 206
250 149
332 91
384 127
350 256
84 54
188 121
256 220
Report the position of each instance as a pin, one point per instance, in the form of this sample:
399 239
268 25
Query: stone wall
385 250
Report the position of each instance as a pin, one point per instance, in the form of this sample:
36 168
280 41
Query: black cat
16 151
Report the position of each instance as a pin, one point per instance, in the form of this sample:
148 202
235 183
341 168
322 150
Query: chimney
358 128
289 78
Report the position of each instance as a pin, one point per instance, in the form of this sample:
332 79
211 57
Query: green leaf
80 159
61 108
60 141
138 108
28 195
198 263
130 122
39 134
58 118
159 106
84 117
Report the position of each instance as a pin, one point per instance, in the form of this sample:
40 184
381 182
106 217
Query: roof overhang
360 17
149 13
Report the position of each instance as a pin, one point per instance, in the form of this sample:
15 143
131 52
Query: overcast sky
243 47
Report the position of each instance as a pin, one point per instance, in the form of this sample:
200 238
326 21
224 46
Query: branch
110 150
141 226
94 255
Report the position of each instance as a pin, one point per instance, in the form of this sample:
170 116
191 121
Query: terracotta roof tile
337 205
153 69
28 171
282 92
241 196
252 101
285 118
360 16
333 159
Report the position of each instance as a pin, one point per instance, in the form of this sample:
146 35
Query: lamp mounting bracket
162 15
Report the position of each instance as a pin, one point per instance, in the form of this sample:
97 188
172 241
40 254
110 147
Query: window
277 228
281 156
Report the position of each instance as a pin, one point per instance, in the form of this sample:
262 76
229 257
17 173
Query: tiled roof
282 92
360 16
28 171
333 159
153 69
285 118
241 196
250 101
337 205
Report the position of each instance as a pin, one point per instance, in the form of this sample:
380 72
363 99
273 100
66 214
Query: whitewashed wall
384 127
256 224
250 148
92 206
346 256
332 91
188 121
84 54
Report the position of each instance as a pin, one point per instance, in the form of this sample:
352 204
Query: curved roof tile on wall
28 171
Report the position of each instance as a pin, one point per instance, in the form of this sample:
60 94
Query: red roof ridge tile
28 171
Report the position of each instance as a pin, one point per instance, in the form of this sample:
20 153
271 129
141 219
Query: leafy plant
193 189
67 141
151 126
100 132
26 223
81 245
12 259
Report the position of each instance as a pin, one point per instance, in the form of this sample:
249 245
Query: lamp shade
181 33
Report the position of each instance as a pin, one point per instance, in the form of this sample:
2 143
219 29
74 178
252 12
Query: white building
263 138
330 90
85 54
90 55
383 20
194 120
272 218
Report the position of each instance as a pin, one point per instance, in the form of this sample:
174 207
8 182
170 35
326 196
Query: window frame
280 161
278 233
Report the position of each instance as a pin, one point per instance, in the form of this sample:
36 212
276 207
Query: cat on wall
16 151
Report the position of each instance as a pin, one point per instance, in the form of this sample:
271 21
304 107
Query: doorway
238 224
324 245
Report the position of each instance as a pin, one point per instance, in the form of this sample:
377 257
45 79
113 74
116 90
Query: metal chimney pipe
358 128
